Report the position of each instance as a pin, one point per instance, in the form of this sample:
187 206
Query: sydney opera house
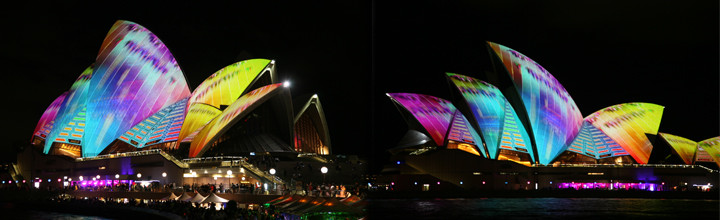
520 129
131 116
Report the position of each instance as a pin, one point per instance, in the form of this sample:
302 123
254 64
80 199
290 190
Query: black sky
351 54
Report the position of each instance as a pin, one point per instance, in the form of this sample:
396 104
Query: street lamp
272 171
139 175
323 170
164 174
117 176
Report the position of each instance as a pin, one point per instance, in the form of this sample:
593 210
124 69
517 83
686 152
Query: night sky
351 54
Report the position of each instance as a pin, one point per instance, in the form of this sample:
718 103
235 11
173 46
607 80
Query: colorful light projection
199 115
464 137
554 116
227 84
627 124
71 133
71 116
47 119
231 115
134 77
433 113
592 142
514 137
712 148
685 148
496 119
613 186
163 126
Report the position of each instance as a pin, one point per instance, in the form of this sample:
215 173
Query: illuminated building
135 97
526 126
131 118
311 131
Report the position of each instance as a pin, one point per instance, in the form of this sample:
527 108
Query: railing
629 165
174 160
135 154
224 160
260 173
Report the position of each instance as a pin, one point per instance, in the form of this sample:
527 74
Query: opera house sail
135 97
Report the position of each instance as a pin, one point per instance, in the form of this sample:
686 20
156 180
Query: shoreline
544 194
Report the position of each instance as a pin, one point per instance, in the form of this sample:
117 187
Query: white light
205 171
215 177
117 176
272 171
242 170
265 186
97 177
229 172
94 178
139 175
323 170
243 178
164 174
64 177
81 178
286 84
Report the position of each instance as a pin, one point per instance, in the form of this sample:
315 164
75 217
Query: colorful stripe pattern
231 115
685 148
71 116
592 142
47 120
460 131
514 137
227 84
433 113
163 126
712 148
135 76
627 124
554 117
199 115
490 110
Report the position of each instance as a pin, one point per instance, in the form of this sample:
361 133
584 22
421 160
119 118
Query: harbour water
543 208
44 215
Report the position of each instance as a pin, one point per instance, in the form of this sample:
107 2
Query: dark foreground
559 193
543 208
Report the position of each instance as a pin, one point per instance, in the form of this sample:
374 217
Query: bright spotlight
286 84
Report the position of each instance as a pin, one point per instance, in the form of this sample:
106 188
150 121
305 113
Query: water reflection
542 208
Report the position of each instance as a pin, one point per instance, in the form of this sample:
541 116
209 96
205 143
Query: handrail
134 154
185 162
629 165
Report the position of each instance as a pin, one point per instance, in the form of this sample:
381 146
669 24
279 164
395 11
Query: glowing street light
164 174
229 172
286 84
139 175
117 176
81 178
323 170
97 177
272 171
